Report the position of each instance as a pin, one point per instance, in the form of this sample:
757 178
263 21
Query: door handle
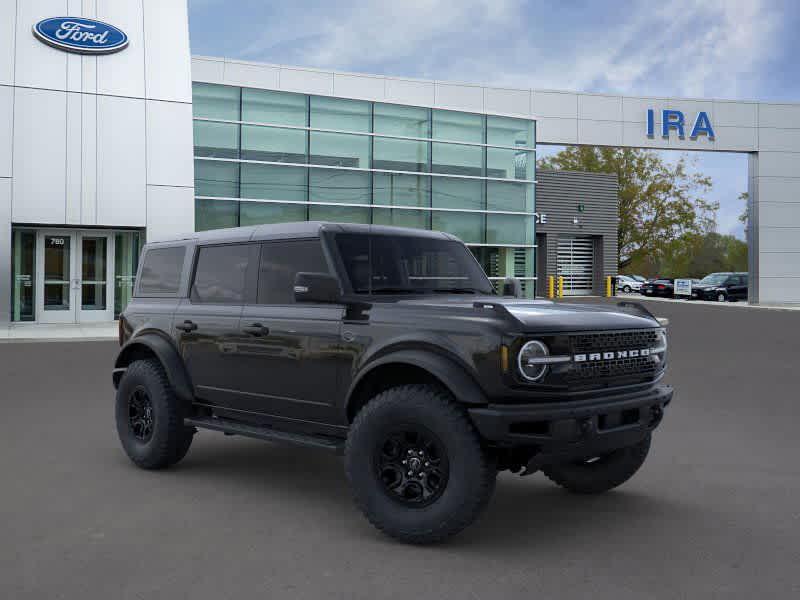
256 329
186 326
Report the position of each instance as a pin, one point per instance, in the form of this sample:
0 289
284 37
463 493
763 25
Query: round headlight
530 360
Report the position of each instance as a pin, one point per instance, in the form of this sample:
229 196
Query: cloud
687 47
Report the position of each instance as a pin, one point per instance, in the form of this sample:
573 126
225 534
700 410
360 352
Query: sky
733 49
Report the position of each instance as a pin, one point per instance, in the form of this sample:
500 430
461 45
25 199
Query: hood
542 316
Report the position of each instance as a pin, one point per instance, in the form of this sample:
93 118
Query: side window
161 271
219 277
280 262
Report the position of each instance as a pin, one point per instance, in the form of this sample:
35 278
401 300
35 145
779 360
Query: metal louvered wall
560 195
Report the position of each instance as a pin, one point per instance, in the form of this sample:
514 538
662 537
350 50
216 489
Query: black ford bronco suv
390 346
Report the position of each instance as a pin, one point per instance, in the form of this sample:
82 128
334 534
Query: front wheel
626 289
149 417
416 465
601 473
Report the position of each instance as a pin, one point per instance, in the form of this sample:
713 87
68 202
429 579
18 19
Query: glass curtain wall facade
264 156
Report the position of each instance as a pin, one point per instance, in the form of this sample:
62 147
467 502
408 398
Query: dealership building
112 134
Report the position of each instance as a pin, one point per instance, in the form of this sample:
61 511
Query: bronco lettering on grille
594 356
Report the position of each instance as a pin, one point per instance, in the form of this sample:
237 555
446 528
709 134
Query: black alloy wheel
412 465
140 414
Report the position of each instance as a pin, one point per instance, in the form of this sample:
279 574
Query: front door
73 272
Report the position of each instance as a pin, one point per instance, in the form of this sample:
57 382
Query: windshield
391 264
714 279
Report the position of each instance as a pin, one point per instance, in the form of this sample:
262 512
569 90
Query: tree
659 202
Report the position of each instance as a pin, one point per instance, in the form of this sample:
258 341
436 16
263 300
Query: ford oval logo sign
76 34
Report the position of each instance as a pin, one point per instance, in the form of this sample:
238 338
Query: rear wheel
416 466
721 297
150 418
601 473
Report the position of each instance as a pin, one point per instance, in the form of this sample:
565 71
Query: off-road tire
170 439
471 477
605 473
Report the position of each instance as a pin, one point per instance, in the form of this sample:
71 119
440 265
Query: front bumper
582 428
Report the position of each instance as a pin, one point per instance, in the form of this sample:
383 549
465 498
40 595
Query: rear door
290 353
738 287
207 322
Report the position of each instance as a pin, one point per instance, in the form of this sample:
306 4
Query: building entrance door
73 272
575 262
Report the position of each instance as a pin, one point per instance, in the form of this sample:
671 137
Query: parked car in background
639 278
662 288
628 284
721 287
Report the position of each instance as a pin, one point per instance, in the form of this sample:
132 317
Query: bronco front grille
607 342
639 366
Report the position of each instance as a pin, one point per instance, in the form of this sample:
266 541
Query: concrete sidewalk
35 332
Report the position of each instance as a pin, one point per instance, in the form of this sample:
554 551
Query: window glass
407 121
509 164
281 108
273 144
215 214
273 182
503 195
509 229
418 219
220 274
280 262
468 227
339 214
339 185
161 270
457 126
457 159
23 259
400 155
220 140
337 113
216 178
392 264
215 101
507 131
451 192
401 190
127 246
260 213
339 150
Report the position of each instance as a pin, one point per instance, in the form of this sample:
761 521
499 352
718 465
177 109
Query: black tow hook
656 413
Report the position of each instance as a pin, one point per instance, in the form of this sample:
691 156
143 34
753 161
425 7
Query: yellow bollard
561 286
551 287
608 286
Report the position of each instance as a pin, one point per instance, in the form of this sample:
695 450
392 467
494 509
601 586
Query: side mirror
512 287
322 288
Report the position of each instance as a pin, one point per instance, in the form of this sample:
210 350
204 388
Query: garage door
576 264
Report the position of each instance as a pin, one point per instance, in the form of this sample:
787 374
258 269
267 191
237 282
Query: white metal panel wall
39 156
170 211
37 65
121 166
5 248
121 73
6 128
167 58
170 147
8 24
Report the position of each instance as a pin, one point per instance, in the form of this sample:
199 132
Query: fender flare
450 373
166 353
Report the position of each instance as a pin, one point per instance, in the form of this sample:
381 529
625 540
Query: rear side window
219 277
280 262
161 271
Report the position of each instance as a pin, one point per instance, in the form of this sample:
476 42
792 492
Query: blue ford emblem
76 34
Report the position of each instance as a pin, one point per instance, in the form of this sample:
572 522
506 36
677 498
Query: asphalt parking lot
713 513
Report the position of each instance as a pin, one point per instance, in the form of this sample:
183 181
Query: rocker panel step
265 433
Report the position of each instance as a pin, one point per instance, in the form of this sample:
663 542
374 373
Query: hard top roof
300 229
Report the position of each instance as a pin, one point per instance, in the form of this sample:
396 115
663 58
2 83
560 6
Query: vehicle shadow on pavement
523 513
